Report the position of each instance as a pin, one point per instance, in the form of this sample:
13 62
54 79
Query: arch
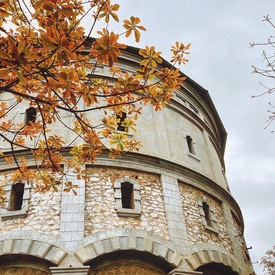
39 245
216 269
206 256
25 264
116 240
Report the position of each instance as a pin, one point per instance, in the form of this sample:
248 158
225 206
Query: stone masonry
194 226
100 213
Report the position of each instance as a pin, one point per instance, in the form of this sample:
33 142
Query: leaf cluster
49 62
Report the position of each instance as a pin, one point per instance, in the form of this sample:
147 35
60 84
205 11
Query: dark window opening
190 145
30 115
206 211
127 195
121 118
16 199
193 108
216 269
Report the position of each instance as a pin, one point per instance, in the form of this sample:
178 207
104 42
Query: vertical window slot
206 211
190 145
121 118
127 195
16 200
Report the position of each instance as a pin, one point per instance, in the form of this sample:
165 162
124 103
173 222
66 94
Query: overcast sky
220 61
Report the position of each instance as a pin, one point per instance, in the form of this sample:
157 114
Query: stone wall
43 212
194 225
100 213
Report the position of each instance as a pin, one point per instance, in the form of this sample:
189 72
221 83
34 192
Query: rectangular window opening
193 108
121 118
127 195
206 211
190 145
30 115
16 199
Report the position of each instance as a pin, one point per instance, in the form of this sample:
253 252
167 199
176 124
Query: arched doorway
216 269
16 264
129 262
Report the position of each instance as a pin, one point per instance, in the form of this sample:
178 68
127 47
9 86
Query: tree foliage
48 62
268 262
268 71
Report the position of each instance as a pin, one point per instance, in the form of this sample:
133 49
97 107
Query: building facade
165 210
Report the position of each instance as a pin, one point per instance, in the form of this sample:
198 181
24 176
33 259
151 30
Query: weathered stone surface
43 214
100 213
194 226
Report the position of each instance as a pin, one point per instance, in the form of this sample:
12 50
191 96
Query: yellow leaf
132 25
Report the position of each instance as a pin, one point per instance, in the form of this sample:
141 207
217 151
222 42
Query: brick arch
39 245
116 240
206 256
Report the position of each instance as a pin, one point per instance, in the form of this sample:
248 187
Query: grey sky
220 61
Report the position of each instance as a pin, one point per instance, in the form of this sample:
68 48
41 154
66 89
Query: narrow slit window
121 118
206 211
16 199
127 195
190 145
30 115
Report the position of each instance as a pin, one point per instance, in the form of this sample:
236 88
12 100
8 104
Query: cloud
220 32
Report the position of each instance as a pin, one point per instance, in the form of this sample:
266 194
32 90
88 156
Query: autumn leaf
106 49
179 51
109 10
128 124
76 86
132 25
119 139
151 58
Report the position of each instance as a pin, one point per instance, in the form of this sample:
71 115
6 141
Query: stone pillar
181 272
236 241
84 270
72 215
173 211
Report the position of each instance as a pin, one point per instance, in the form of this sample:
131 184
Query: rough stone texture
236 225
22 271
43 214
100 213
194 226
126 269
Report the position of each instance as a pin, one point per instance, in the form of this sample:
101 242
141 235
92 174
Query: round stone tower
165 210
